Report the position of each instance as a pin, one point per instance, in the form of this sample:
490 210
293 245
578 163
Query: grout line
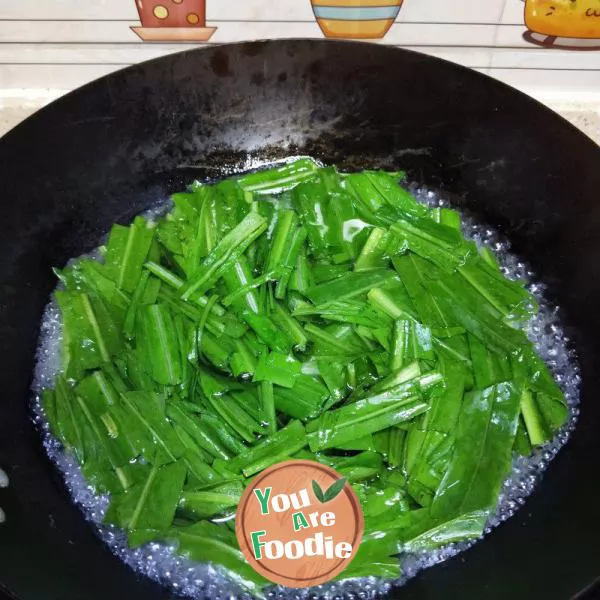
133 43
496 35
67 64
110 64
133 21
140 44
579 70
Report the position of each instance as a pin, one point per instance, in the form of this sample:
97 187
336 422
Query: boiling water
198 581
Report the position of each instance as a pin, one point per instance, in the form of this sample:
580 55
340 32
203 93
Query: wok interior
121 144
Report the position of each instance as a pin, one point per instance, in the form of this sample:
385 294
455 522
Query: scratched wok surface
116 146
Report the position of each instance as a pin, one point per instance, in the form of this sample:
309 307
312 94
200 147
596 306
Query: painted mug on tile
356 19
172 13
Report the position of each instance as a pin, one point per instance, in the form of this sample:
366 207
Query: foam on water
199 581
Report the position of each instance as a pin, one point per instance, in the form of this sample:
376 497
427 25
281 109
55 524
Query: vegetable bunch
298 312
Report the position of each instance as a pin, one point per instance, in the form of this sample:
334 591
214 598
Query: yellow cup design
356 19
564 18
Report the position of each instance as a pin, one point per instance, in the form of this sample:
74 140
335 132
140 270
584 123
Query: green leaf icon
333 491
318 491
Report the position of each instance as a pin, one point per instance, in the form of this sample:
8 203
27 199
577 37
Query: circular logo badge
299 523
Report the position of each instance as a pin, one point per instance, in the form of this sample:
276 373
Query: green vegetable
278 369
361 418
207 542
300 313
279 179
267 413
126 253
485 436
151 504
348 286
202 504
90 333
158 345
225 254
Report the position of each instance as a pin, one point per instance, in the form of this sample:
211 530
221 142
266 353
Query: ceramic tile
69 9
51 76
513 13
84 33
511 36
442 34
66 43
243 10
464 11
260 10
537 82
96 54
538 58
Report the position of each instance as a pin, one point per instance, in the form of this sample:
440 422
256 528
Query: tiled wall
61 44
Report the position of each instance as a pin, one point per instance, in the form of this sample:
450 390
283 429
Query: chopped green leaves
485 435
299 312
158 345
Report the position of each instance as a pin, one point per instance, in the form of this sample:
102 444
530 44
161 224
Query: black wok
120 144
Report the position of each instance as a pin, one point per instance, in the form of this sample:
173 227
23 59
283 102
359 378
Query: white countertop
583 112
